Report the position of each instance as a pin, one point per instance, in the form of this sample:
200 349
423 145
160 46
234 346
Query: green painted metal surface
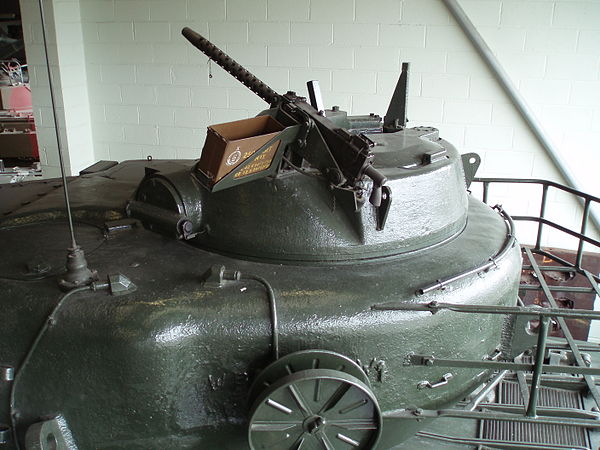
170 365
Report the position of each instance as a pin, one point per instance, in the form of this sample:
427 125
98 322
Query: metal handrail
586 199
531 413
509 243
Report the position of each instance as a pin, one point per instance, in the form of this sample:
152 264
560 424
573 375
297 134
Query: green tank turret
268 308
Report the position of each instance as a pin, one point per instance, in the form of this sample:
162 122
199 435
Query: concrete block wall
67 61
153 94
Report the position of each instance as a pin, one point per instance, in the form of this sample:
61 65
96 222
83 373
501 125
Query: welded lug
120 284
217 275
52 434
470 162
117 284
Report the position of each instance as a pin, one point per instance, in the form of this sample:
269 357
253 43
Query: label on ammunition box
233 159
260 163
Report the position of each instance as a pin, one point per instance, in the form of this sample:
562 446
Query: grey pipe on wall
515 97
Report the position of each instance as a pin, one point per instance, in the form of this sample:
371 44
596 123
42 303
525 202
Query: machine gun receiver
344 158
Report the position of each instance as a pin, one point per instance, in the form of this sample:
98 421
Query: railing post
537 370
538 241
584 220
486 187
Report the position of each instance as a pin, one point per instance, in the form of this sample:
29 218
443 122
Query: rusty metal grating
509 394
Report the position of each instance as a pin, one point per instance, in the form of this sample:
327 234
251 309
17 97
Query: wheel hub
314 424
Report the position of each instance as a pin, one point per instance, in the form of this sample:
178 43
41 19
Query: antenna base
78 274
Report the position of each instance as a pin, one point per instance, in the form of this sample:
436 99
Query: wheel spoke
279 407
335 398
354 424
347 440
297 396
299 442
353 406
317 395
325 442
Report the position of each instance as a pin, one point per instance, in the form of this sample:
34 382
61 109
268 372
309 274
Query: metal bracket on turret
470 162
383 209
395 117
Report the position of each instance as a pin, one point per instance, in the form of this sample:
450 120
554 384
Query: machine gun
344 158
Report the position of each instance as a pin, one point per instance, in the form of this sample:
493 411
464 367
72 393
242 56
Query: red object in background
18 137
556 279
16 98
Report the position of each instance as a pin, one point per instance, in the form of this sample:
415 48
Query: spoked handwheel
304 360
315 409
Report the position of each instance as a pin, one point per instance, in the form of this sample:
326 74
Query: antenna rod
78 274
58 142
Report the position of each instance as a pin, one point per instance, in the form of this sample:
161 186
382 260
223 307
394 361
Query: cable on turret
50 320
236 275
272 311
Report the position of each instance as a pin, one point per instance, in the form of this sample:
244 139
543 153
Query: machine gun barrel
230 65
347 158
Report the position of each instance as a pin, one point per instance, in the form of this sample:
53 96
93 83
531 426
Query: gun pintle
230 65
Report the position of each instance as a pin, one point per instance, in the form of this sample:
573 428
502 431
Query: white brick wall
69 77
152 93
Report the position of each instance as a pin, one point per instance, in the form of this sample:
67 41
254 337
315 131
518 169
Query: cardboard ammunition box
229 144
